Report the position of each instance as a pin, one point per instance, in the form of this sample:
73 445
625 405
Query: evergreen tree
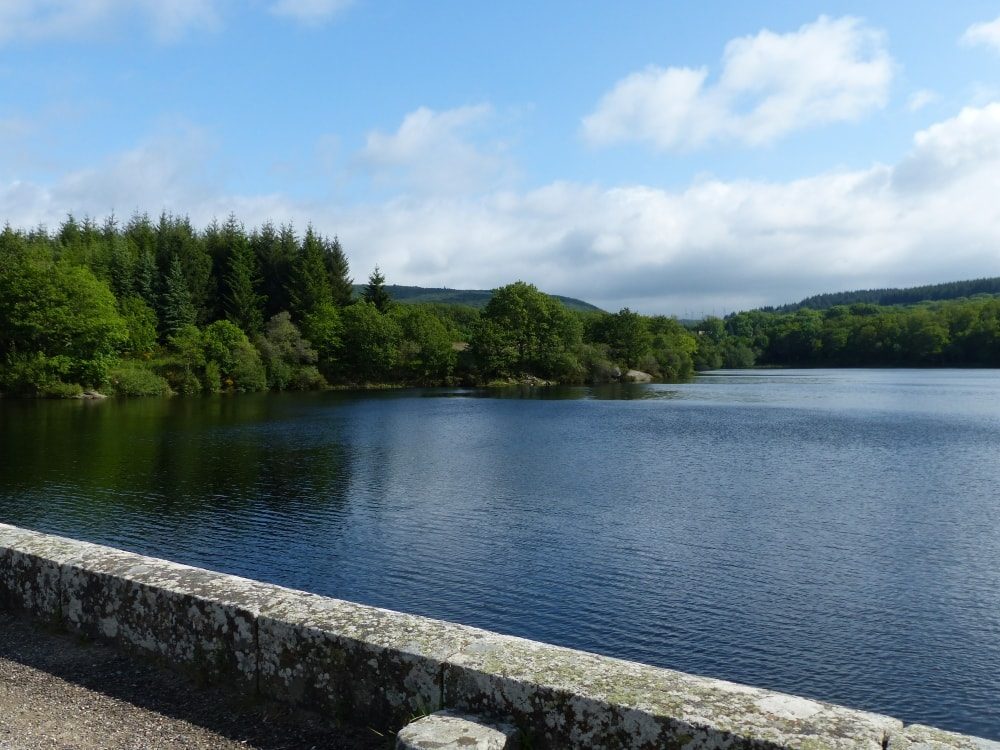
176 238
375 292
178 311
309 283
341 283
121 267
145 279
244 306
275 252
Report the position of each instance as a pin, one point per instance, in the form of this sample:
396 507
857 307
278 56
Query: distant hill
907 296
471 297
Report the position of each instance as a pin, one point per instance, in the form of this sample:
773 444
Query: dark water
829 533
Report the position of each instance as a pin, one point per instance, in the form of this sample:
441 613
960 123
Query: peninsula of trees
156 307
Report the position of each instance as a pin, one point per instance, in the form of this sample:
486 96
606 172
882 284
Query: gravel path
59 694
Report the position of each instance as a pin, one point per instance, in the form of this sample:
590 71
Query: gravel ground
59 694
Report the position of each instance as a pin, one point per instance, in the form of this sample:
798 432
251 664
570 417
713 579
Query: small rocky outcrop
637 376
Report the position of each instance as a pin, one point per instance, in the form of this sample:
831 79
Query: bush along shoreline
155 308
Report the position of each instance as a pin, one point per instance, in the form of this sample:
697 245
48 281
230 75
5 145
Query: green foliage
626 335
469 298
341 284
324 328
955 332
178 312
140 322
175 238
375 292
58 323
183 366
908 296
74 301
673 348
523 331
243 305
220 358
309 282
425 353
240 368
130 378
370 344
275 251
288 358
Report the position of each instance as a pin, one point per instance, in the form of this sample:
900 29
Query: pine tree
121 268
275 252
244 306
376 293
178 311
145 275
309 283
176 238
341 283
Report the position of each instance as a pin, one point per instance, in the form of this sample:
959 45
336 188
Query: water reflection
602 392
829 533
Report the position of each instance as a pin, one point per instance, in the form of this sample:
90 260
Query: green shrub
134 379
57 389
212 378
307 378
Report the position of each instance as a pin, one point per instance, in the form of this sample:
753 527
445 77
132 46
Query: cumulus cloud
52 19
716 244
310 12
438 151
770 84
986 33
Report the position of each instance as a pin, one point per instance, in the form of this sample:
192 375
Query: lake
830 533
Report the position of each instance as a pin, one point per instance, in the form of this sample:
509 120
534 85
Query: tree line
147 307
956 333
906 296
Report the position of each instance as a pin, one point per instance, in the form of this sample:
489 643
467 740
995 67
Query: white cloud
35 20
172 18
719 244
437 152
986 33
920 99
310 12
771 84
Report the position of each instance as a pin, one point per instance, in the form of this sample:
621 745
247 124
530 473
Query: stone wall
379 668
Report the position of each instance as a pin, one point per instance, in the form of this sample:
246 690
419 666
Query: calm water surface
830 533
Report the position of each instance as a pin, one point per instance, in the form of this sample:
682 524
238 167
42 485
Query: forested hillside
958 333
477 298
151 307
908 296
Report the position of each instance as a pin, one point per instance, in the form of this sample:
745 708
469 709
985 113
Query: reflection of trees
94 464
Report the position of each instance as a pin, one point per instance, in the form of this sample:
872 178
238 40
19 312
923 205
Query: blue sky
675 157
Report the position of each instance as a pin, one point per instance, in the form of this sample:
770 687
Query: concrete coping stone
450 730
921 737
579 699
379 667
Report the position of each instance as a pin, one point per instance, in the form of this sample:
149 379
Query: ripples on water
829 533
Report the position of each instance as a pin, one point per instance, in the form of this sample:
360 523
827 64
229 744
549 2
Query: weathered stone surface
30 565
448 730
380 668
357 663
919 737
193 619
571 699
